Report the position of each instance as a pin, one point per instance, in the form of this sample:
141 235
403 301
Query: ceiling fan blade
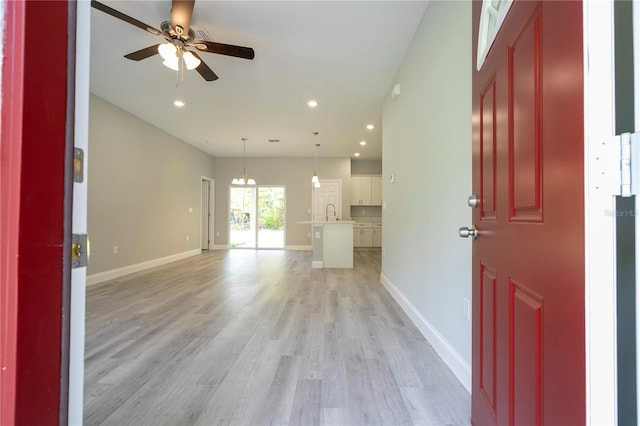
204 70
141 54
224 49
181 12
126 18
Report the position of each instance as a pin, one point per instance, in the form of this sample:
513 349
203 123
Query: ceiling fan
179 39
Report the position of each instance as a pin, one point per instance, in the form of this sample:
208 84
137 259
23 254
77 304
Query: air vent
201 34
274 140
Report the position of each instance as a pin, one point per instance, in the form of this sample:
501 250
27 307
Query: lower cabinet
364 238
366 235
377 237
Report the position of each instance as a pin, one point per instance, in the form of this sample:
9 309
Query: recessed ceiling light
357 154
312 103
363 143
370 126
179 103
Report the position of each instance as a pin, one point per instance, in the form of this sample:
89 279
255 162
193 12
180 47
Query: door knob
465 232
473 201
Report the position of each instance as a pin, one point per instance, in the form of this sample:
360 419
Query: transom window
491 18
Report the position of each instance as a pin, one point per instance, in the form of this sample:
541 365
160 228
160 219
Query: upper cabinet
376 190
366 190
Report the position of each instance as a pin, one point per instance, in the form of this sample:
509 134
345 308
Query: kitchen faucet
326 211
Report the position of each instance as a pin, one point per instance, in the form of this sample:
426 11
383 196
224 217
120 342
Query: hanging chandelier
314 180
243 178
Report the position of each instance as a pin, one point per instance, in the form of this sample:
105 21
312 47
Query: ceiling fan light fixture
190 60
172 63
168 51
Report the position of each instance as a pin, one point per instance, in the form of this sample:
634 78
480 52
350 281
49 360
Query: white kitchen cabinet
363 237
366 190
376 190
377 237
361 190
367 234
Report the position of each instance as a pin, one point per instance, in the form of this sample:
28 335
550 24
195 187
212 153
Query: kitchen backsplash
366 211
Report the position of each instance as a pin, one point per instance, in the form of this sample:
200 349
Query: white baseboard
126 270
460 368
317 264
297 248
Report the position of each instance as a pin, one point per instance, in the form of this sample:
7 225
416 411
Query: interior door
330 192
528 360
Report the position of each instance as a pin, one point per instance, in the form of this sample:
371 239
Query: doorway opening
257 217
206 212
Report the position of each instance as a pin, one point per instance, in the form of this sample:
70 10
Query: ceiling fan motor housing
171 33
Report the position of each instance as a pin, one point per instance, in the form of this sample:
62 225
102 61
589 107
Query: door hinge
79 250
614 167
78 165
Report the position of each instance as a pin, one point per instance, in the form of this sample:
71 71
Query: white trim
317 264
126 270
298 248
600 237
77 309
636 109
460 368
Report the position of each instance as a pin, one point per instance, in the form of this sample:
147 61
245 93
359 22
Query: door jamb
600 248
212 211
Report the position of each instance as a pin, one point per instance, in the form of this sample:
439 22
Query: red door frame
32 204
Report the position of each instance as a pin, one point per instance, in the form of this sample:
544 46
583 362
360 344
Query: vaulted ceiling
343 54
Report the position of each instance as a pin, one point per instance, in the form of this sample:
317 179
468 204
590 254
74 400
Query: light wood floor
247 337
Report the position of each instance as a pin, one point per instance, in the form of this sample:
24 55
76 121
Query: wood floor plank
306 408
248 338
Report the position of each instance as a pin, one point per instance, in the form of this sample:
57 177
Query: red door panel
525 355
524 123
528 261
487 350
488 150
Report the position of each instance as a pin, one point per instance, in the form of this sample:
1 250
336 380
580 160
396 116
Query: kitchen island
332 243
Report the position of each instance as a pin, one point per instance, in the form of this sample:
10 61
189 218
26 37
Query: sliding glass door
256 216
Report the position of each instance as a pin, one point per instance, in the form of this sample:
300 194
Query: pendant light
314 180
174 56
243 178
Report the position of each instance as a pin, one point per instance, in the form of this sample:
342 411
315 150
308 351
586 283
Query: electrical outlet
317 234
466 308
187 238
115 249
190 209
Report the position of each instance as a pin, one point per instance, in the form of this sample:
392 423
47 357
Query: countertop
325 222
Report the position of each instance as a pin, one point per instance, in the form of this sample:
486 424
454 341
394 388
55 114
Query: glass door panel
242 220
271 217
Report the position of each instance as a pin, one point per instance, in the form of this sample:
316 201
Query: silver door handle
473 201
465 232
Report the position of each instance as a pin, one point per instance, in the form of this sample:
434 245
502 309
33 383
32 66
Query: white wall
426 136
142 182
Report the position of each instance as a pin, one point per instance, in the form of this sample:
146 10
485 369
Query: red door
528 260
34 175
